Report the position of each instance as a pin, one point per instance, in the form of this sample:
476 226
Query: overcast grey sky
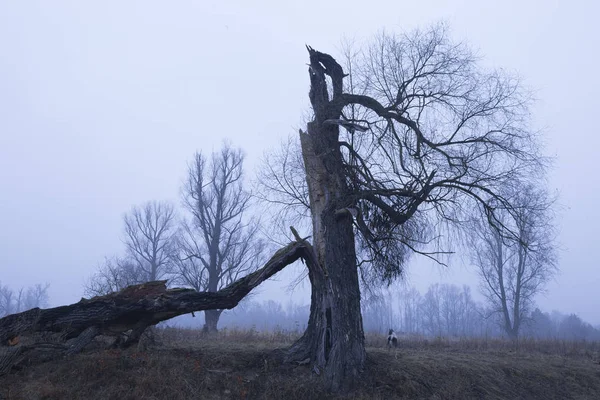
103 103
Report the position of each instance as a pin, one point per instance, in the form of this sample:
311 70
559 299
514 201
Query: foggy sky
103 103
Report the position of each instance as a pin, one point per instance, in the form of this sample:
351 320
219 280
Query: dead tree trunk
334 339
131 310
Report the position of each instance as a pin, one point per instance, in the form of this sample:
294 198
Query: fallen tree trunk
133 309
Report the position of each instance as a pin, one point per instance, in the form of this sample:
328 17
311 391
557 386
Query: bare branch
149 238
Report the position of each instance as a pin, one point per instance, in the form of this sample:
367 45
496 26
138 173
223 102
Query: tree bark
334 338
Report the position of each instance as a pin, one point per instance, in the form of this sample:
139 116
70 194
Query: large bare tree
409 138
514 267
149 233
220 242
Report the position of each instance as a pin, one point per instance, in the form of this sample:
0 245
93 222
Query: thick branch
145 304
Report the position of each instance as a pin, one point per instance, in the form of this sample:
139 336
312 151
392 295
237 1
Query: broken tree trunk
334 339
133 309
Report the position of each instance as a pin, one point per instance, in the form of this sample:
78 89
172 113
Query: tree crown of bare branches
428 135
220 242
148 237
514 269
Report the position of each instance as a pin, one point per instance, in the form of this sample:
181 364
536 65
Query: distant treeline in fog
444 310
14 301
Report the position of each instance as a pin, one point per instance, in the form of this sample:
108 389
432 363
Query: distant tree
430 310
6 300
451 309
114 274
540 325
515 253
298 314
220 241
149 233
149 246
471 314
410 299
574 328
445 310
34 296
378 314
265 316
273 309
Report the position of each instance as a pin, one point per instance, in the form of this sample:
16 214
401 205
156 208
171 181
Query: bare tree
513 268
220 242
450 309
34 296
410 138
6 301
377 311
281 185
149 233
410 298
113 275
19 300
470 314
149 240
430 309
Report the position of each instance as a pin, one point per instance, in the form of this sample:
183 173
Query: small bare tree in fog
6 300
220 242
149 233
470 314
430 309
114 274
34 296
450 309
410 298
514 266
149 239
281 185
377 311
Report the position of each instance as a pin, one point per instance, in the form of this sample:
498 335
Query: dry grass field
182 364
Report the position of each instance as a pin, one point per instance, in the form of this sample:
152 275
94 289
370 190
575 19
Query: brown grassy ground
247 365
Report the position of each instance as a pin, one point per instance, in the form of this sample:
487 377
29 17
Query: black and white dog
392 339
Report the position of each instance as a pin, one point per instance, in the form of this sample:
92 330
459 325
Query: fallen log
132 309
